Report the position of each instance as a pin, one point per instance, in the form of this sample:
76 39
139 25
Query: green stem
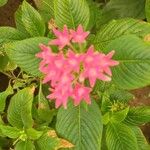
16 141
19 74
7 74
71 46
12 76
80 47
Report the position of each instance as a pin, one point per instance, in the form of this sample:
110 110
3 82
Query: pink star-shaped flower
80 93
66 71
53 75
46 53
96 65
106 62
65 79
73 61
94 73
63 37
59 61
79 36
47 57
54 69
61 95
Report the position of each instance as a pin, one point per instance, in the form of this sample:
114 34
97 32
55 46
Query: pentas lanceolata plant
75 71
67 70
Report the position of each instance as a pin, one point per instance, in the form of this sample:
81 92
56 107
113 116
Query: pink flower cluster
67 70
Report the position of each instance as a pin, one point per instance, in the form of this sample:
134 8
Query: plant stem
71 46
80 47
7 74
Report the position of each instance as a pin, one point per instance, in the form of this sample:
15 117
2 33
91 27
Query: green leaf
3 62
1 120
47 142
1 123
3 2
45 8
32 20
23 54
134 57
83 127
101 86
33 134
11 132
4 142
19 110
10 34
3 97
116 9
117 28
138 115
106 118
141 140
19 23
94 14
147 10
104 146
71 13
27 145
105 102
119 116
121 96
120 137
45 114
10 66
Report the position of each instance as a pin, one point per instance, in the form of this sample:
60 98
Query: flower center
73 62
58 63
89 59
92 72
80 91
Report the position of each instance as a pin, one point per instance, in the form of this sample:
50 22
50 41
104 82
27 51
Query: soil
142 96
7 12
7 19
